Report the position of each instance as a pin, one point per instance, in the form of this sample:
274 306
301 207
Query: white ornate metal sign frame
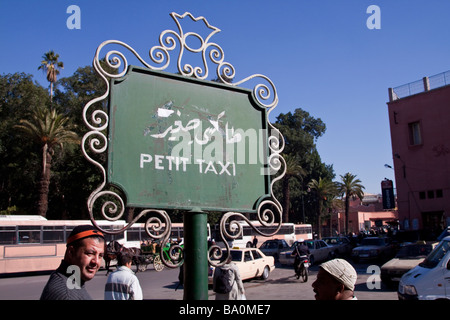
158 225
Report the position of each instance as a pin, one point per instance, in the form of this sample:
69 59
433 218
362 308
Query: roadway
281 285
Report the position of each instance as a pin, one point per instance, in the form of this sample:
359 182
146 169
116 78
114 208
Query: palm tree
293 170
336 205
350 187
51 66
49 130
325 189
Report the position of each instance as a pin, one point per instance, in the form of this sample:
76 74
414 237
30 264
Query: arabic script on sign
195 125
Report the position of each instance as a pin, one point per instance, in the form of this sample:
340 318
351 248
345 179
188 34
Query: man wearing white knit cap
335 281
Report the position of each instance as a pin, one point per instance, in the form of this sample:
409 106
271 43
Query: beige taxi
252 263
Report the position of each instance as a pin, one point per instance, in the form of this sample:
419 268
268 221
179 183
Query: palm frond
48 127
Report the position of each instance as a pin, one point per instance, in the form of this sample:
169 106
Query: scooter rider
301 251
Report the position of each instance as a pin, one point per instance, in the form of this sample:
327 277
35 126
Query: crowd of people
86 246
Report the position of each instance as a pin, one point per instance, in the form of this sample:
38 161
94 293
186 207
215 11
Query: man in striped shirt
82 259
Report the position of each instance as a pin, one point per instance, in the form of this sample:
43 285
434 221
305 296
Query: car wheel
311 260
266 273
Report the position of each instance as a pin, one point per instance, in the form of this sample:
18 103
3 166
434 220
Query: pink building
364 215
419 118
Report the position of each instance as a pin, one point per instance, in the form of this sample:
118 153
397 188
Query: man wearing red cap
84 253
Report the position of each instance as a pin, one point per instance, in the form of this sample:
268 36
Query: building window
415 136
431 194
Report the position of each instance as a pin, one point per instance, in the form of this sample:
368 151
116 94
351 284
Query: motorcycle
302 269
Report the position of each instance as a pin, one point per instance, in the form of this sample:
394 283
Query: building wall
363 220
422 171
363 215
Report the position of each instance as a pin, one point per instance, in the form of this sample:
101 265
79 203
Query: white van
430 280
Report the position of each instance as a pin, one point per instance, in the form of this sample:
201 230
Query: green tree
50 131
51 66
350 186
325 191
293 170
301 131
18 160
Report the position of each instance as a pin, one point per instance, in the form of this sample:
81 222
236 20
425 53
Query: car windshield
414 251
372 242
331 240
436 255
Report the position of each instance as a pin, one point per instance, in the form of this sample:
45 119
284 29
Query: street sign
178 141
181 143
387 192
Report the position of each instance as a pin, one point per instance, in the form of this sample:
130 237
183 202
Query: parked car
408 257
274 247
341 245
252 263
373 248
428 280
320 251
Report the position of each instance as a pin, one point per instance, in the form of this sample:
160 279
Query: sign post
181 142
195 255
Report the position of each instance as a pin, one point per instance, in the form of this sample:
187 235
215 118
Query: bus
290 232
303 232
31 243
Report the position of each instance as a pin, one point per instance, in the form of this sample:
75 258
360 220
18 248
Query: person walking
123 284
255 242
84 252
227 282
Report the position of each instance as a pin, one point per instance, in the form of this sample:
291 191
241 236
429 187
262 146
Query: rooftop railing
426 84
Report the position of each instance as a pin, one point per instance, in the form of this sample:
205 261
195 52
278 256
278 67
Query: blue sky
320 55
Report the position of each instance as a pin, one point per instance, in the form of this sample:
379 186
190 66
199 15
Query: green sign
183 143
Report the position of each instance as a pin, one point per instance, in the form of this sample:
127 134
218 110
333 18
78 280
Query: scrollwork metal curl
226 72
216 53
98 142
231 228
276 141
173 257
115 208
157 227
114 58
265 94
